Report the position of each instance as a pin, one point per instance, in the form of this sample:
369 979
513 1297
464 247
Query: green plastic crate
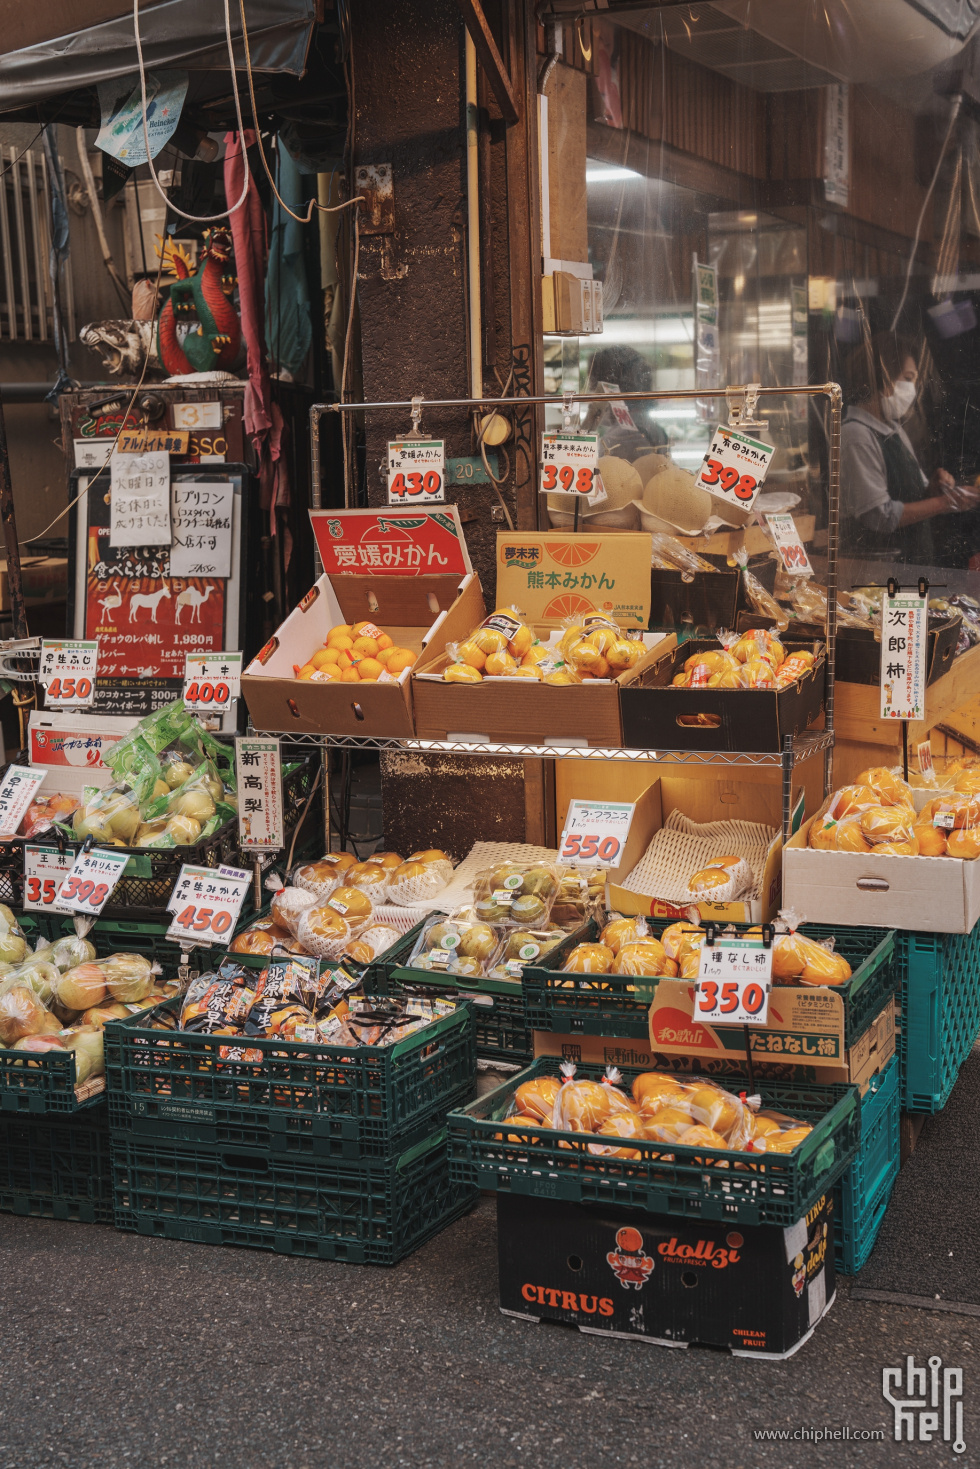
693 1182
302 1100
862 1194
501 1028
619 1005
365 1213
57 1168
940 977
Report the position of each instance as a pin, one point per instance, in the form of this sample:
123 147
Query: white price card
734 467
734 982
92 878
783 530
139 500
17 790
45 869
568 466
595 833
68 673
416 471
260 820
212 682
205 905
904 662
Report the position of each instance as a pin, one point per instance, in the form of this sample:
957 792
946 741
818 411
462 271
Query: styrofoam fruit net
378 938
740 884
288 907
323 946
421 888
321 889
402 919
683 847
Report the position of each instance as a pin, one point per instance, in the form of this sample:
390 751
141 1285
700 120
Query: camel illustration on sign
109 603
148 599
193 599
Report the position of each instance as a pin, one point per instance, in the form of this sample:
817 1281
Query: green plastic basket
365 1213
299 1099
57 1168
861 1197
694 1182
619 1005
940 977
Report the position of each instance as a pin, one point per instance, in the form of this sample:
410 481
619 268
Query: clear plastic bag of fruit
194 809
47 811
444 942
589 958
800 960
514 892
724 879
692 1112
581 894
523 946
888 784
763 602
949 826
71 950
419 879
495 649
670 554
598 648
583 1105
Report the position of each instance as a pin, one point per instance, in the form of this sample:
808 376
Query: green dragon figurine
203 296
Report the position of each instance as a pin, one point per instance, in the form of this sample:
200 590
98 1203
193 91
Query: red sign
392 542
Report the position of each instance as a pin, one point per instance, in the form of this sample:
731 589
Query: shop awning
184 33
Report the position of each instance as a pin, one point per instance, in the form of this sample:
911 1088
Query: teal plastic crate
364 1213
940 984
57 1168
618 1005
693 1182
861 1197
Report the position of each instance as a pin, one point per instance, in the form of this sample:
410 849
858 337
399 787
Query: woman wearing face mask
887 503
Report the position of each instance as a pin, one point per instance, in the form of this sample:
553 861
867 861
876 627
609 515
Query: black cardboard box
859 651
704 599
759 1291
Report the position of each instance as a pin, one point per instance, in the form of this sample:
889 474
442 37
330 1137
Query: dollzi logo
629 1262
928 1406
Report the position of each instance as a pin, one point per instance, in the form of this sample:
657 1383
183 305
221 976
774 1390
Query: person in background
625 370
887 503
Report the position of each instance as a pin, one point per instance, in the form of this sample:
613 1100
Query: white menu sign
139 503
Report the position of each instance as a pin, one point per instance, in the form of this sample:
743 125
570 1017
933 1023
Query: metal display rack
742 403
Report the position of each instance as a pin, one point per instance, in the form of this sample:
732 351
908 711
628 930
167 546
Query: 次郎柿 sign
904 655
395 542
556 577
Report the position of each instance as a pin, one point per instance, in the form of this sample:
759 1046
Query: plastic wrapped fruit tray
365 1213
619 1005
696 1182
57 1168
302 1100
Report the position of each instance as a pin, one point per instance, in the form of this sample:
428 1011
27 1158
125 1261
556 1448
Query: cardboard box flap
391 602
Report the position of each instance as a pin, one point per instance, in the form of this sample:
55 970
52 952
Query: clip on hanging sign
735 467
17 790
787 541
68 672
595 833
904 649
92 878
212 682
205 905
568 466
260 817
45 869
734 982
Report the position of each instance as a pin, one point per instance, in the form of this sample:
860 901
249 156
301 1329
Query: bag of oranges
725 879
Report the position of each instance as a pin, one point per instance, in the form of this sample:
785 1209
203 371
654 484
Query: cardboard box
653 806
758 1291
72 745
511 710
557 575
753 538
930 894
43 579
658 716
705 599
406 607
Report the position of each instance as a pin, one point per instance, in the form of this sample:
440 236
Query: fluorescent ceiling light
607 173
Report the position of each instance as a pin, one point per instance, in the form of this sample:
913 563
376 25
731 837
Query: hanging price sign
735 467
212 681
783 530
45 869
734 982
92 878
568 466
17 790
205 905
904 660
67 673
416 471
595 833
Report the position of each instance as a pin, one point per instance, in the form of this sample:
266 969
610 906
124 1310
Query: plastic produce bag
418 881
669 554
725 879
763 602
583 1105
70 951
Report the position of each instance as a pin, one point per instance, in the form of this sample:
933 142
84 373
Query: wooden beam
490 59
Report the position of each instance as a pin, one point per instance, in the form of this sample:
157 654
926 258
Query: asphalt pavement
119 1350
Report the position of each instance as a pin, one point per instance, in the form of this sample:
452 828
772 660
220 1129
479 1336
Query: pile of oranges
356 652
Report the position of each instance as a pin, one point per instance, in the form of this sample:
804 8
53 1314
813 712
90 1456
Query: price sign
45 869
734 982
68 671
595 833
212 681
17 790
92 878
924 752
260 820
568 466
904 664
735 467
783 530
416 471
205 905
